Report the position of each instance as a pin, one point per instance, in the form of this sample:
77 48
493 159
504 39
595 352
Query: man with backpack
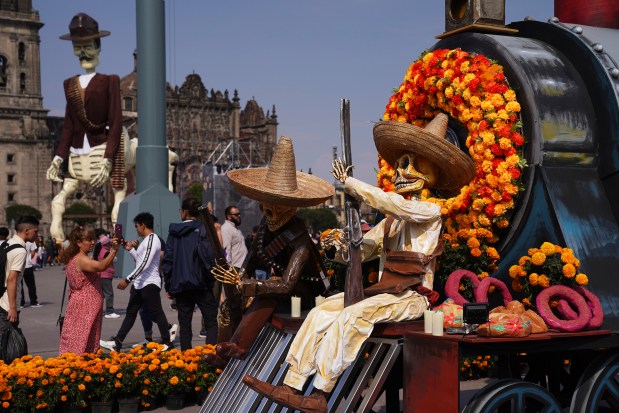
13 263
186 265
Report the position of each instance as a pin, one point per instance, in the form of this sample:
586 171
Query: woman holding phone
81 330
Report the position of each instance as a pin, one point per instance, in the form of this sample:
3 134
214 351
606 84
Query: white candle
295 306
319 300
437 323
427 321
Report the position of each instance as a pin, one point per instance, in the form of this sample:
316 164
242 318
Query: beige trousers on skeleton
331 336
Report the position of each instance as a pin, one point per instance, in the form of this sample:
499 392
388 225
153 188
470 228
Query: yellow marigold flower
539 258
449 92
569 271
497 100
513 107
512 160
468 77
475 252
475 101
484 220
581 279
449 73
466 94
510 95
547 248
487 137
514 270
473 243
543 281
486 105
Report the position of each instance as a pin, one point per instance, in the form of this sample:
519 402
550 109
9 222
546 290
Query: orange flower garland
473 90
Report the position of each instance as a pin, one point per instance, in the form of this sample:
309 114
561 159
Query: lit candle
427 321
319 300
437 323
295 306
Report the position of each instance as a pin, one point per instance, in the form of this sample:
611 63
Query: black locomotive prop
566 77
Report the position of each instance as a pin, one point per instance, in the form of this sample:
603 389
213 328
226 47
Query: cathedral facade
25 146
206 128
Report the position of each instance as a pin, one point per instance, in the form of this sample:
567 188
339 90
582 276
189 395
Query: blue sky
301 56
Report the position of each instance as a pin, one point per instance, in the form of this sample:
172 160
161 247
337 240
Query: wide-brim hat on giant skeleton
280 182
393 139
83 28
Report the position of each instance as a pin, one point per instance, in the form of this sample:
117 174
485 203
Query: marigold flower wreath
473 90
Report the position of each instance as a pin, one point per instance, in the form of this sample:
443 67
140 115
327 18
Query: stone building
25 146
206 127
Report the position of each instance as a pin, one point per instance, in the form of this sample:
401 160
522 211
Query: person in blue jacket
186 265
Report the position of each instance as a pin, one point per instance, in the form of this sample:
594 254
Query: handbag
60 320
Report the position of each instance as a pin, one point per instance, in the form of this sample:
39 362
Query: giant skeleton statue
407 242
93 139
282 245
91 134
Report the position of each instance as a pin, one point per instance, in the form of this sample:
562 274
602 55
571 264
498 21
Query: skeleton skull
413 173
88 54
276 215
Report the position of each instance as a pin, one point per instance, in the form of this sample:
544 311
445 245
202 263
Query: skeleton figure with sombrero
332 335
282 245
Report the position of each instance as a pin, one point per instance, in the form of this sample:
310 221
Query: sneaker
173 306
202 333
167 346
113 344
141 343
112 315
37 305
173 332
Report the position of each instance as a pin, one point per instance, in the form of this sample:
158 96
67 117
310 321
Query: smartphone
118 232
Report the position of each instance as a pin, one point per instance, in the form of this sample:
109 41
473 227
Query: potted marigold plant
100 376
545 266
127 382
178 379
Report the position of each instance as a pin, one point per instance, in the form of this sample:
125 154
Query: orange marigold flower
526 302
533 279
543 281
581 279
517 285
173 381
492 253
523 260
514 270
547 248
539 258
473 243
476 252
569 271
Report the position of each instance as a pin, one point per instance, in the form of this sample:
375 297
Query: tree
318 219
195 191
80 212
13 212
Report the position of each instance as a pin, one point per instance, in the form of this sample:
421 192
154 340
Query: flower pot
201 397
175 401
128 405
72 409
149 402
102 406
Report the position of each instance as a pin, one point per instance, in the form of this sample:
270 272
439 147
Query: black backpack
4 250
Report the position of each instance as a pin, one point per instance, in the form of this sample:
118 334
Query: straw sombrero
393 139
280 183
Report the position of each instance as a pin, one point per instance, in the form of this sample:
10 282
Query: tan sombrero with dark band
280 183
393 139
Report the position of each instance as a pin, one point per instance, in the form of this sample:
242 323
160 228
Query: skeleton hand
340 172
226 274
52 171
104 173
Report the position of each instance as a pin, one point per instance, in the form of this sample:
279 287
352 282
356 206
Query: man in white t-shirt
27 229
146 289
28 278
